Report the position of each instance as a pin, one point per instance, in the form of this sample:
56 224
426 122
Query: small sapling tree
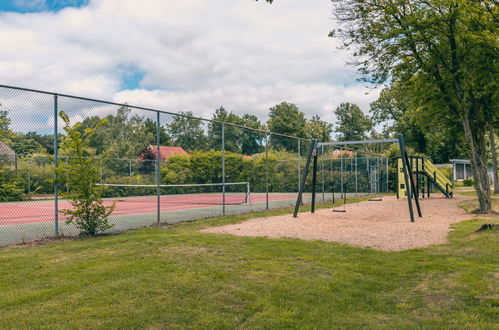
81 174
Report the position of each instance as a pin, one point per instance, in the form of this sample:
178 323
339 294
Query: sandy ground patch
381 225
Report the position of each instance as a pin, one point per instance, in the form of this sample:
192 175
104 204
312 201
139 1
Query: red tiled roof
166 152
247 157
346 153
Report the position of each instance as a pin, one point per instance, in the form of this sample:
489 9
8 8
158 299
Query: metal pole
378 181
130 170
386 162
223 169
356 189
341 175
266 171
299 164
248 193
158 160
406 176
304 178
322 173
369 184
56 165
331 176
314 180
29 174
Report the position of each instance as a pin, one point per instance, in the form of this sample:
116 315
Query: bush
10 189
82 174
468 182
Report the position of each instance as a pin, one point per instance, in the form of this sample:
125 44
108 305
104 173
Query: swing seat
341 211
375 200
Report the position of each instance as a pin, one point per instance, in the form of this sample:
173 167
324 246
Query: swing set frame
313 156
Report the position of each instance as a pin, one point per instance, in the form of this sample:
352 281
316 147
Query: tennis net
236 193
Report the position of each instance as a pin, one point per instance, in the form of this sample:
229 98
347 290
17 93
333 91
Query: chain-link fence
153 166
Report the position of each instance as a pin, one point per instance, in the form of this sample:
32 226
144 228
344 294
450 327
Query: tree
446 49
164 138
45 141
319 129
122 135
287 119
22 144
5 133
232 133
352 123
187 132
434 134
251 140
81 174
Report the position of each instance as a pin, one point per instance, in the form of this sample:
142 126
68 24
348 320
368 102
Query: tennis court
32 220
43 211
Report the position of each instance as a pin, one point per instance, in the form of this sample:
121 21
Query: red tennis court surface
43 211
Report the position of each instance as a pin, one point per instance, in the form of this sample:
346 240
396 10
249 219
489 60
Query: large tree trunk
494 158
478 160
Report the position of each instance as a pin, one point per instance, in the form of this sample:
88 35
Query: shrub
82 173
468 182
10 189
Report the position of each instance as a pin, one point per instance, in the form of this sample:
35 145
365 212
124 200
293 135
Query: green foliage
286 118
121 135
81 174
148 163
251 141
187 133
353 124
443 51
431 132
10 187
4 126
183 278
468 182
319 129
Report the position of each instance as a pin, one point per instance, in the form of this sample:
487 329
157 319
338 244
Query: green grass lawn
177 277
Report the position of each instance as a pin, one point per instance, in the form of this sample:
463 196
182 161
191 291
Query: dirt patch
381 225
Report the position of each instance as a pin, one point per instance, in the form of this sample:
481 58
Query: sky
194 55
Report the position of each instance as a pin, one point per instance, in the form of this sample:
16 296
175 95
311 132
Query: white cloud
195 54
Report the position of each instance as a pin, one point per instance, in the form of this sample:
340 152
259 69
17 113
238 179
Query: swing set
373 175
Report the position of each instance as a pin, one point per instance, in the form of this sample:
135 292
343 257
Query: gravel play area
382 225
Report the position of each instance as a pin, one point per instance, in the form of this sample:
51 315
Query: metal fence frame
266 135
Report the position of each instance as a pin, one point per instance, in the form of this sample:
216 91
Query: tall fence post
223 169
266 170
356 188
56 165
130 170
29 173
322 175
158 160
386 162
299 164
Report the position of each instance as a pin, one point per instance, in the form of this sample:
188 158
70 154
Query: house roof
165 152
460 161
338 153
6 150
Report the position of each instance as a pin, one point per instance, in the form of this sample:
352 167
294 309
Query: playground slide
424 172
